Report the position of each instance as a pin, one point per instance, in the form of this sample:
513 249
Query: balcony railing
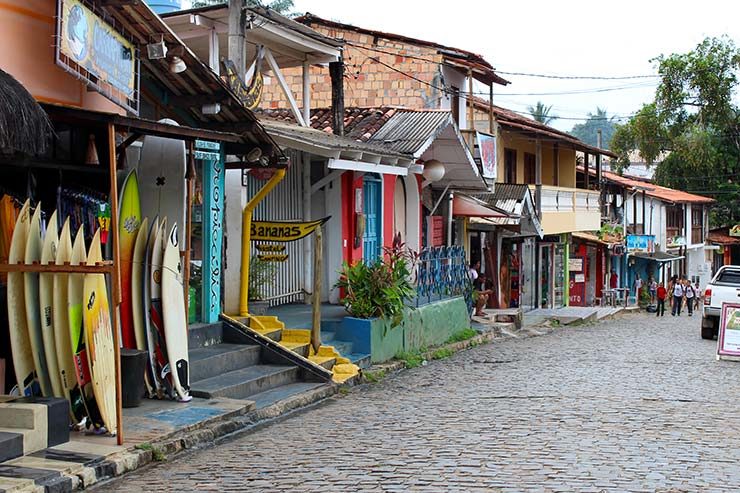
561 199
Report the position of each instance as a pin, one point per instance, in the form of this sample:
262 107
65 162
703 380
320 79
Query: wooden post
471 115
490 109
586 170
317 260
190 178
116 280
538 178
237 37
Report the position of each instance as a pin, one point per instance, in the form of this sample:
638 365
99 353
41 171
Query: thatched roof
24 126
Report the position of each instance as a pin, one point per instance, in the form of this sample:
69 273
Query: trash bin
133 366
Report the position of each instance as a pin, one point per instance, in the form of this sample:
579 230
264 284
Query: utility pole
599 182
336 73
237 35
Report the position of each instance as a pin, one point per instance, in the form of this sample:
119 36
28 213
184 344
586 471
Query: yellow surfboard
20 343
99 334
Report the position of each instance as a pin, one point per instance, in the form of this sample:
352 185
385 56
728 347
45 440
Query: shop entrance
546 287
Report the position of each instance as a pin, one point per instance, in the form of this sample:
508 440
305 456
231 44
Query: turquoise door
373 219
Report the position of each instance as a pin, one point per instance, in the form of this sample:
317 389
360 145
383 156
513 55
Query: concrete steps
30 424
271 396
226 363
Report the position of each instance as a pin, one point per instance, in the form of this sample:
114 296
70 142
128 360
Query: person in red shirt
661 293
613 280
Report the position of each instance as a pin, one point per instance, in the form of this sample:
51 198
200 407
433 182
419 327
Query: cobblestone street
633 404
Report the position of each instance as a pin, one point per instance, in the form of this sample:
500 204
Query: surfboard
31 291
129 221
149 330
46 301
137 289
20 342
77 332
162 169
156 318
175 318
99 336
70 388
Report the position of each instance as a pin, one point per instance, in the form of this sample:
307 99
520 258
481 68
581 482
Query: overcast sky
572 38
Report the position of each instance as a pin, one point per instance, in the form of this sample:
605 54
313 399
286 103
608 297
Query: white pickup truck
723 288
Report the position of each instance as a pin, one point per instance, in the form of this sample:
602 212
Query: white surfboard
137 289
156 318
152 373
70 389
20 342
46 300
162 185
175 320
31 291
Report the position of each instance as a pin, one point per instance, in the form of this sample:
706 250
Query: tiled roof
482 70
720 236
359 123
659 192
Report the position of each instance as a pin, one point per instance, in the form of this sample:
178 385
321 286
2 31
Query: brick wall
368 83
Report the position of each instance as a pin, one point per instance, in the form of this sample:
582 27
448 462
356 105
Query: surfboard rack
100 268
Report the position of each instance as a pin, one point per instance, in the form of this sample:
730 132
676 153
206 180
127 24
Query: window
674 221
509 166
530 168
697 224
455 104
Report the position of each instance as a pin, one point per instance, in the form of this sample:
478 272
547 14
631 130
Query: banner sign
273 257
283 231
735 230
92 49
249 95
487 150
214 183
641 243
728 341
676 241
575 264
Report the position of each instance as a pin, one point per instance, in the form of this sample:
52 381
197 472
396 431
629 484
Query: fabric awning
657 256
467 206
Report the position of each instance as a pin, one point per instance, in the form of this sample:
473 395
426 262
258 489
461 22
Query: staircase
30 424
333 354
225 362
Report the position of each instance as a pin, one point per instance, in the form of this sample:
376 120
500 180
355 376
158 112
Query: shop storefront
552 268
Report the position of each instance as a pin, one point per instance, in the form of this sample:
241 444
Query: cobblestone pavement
633 404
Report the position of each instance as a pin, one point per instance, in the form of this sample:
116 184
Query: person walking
653 287
638 288
661 294
690 295
678 293
697 296
671 285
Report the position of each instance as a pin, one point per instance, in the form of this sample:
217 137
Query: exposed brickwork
367 82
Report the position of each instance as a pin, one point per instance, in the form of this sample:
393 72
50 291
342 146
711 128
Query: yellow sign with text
283 231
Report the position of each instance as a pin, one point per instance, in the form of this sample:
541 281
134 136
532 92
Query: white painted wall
234 200
455 78
332 239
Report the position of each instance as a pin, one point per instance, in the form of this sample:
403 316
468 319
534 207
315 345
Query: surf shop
112 158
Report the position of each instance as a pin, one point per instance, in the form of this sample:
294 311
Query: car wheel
707 328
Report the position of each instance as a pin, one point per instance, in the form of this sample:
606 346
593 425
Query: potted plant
261 274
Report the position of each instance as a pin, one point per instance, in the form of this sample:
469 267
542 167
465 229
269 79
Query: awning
657 256
467 206
515 200
592 238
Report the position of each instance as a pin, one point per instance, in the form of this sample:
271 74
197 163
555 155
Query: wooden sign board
728 339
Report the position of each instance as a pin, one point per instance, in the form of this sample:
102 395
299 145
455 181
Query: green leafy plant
411 359
442 353
261 274
381 288
374 376
463 335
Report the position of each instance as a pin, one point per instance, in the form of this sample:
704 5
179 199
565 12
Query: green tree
694 120
541 113
588 130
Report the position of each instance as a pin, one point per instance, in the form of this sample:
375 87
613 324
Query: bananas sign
283 231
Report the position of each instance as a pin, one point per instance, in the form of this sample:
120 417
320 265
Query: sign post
728 339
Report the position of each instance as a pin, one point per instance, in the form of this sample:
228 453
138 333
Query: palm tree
541 113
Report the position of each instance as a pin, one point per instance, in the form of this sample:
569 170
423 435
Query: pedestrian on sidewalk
698 298
678 294
661 294
638 288
690 295
671 285
653 286
483 291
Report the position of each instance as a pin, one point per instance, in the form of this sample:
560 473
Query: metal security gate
283 203
372 208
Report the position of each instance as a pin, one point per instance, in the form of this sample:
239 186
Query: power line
579 77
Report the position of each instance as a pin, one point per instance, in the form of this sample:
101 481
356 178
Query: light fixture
211 109
177 65
434 170
254 155
91 157
157 50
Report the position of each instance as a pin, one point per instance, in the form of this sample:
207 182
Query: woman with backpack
690 294
678 293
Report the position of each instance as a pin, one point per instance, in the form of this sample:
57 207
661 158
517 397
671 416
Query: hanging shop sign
283 231
214 182
249 95
641 243
93 50
728 340
435 231
575 264
735 230
487 149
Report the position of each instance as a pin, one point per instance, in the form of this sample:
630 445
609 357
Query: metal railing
443 272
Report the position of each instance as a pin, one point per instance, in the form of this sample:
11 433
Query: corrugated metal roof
516 200
408 131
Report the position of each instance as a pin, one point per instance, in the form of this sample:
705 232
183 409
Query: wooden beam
129 140
198 100
326 180
105 267
317 277
285 87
